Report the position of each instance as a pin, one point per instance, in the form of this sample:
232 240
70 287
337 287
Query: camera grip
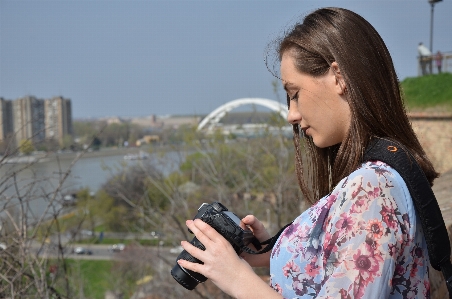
184 255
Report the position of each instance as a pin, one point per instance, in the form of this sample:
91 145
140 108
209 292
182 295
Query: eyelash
294 98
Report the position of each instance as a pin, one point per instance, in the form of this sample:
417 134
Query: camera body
226 224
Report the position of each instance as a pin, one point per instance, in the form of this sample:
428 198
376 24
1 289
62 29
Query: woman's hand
261 234
221 264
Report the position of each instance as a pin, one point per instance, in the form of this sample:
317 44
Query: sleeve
364 233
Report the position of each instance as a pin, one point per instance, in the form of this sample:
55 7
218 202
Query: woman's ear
340 83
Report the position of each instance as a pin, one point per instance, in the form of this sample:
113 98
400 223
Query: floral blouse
363 240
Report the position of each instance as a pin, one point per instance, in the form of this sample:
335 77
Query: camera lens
187 278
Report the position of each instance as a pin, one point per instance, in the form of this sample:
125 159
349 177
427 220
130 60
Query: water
38 182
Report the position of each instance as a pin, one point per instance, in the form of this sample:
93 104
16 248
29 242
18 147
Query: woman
361 237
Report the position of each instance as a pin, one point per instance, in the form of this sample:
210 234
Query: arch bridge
214 117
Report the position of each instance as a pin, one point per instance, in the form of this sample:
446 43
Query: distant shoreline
45 157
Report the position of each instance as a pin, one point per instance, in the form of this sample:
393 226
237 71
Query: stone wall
435 134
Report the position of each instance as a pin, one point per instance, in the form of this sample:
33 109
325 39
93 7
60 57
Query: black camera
224 222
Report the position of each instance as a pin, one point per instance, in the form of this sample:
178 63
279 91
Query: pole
431 27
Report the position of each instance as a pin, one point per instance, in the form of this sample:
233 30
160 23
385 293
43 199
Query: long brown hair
372 90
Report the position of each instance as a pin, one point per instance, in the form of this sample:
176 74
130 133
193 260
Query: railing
428 64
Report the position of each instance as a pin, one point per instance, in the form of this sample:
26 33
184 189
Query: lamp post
432 3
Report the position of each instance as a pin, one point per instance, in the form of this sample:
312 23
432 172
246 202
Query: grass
90 275
432 92
109 241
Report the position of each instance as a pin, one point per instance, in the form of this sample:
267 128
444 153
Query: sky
140 58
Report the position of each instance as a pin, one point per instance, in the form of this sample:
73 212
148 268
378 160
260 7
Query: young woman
361 238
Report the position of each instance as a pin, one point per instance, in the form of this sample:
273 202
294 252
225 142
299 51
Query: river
37 181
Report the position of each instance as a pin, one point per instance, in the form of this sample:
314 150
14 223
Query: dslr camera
224 222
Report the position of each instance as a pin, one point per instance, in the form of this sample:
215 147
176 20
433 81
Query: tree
67 142
26 146
255 176
96 143
34 245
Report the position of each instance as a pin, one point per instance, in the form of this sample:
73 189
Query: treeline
253 176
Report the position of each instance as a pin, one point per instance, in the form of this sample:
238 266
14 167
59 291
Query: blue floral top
363 240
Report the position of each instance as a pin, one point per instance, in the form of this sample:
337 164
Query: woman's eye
294 98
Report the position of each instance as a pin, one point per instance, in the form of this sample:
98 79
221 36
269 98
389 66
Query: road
101 252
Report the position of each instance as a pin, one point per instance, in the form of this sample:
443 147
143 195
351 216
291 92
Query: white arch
215 116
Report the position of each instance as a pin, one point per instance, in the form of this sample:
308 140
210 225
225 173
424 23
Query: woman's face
317 104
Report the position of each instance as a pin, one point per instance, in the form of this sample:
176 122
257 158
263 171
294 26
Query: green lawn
91 275
433 92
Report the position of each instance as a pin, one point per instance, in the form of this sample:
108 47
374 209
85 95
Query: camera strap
270 243
424 200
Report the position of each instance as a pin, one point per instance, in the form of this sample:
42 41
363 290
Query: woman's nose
294 116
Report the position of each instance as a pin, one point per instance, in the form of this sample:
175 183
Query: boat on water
140 156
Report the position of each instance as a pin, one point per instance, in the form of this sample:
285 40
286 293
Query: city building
28 119
38 120
58 119
6 119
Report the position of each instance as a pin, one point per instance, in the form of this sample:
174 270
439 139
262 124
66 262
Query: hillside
428 93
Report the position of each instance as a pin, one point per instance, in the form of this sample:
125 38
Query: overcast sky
137 58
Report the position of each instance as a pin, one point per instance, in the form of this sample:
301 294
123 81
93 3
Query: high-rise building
58 118
28 119
6 119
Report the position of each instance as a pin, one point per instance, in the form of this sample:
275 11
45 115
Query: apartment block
28 119
58 118
6 119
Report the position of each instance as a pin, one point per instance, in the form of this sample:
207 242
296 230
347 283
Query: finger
207 230
193 250
253 223
195 267
250 220
197 231
257 227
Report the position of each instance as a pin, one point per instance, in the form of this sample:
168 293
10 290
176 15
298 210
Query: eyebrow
287 85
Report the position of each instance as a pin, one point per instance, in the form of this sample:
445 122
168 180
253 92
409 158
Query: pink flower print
302 232
411 295
392 249
311 269
426 288
344 294
357 187
345 222
371 244
373 193
418 253
290 268
375 229
362 225
414 270
399 270
360 205
300 286
388 215
278 288
367 265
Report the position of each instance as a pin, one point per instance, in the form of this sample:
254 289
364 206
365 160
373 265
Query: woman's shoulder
375 170
375 180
